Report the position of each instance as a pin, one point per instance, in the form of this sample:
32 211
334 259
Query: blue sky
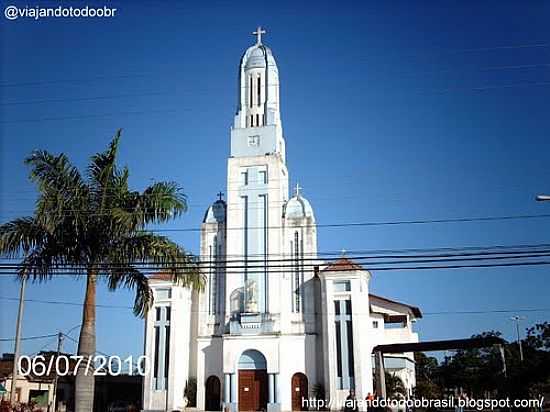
382 118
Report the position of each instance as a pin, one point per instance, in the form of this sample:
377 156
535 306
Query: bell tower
257 127
257 188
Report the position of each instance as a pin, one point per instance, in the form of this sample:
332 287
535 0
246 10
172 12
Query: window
250 89
297 252
244 177
342 286
263 176
375 324
213 281
163 294
162 348
344 344
254 140
258 120
259 90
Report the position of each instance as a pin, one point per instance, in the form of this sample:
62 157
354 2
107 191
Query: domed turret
216 212
298 207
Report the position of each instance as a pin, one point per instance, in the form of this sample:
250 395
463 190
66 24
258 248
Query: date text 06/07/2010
97 365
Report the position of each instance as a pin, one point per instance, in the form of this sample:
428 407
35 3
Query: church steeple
258 102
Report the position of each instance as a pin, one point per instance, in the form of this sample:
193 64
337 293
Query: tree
426 377
95 227
394 385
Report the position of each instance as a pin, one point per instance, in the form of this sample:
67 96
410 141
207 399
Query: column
227 388
380 374
234 388
271 378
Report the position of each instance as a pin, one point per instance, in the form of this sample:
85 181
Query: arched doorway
299 391
252 381
213 394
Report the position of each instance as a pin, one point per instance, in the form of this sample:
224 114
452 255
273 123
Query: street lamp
518 319
543 198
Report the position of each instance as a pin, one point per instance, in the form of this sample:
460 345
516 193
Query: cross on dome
259 31
297 190
220 195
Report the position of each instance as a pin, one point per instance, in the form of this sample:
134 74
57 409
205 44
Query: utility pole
59 347
518 319
17 349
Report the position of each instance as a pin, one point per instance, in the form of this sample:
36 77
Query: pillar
227 388
271 378
233 388
273 386
380 374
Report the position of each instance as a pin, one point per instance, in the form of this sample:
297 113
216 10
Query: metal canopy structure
429 346
437 345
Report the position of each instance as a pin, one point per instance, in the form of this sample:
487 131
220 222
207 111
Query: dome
298 207
215 213
255 57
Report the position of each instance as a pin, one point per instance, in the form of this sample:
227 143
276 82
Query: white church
275 325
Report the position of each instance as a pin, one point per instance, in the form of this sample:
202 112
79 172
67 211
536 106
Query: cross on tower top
297 190
220 195
259 31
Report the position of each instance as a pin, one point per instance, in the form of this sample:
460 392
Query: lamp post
517 319
17 349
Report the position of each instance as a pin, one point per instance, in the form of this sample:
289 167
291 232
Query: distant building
271 328
122 389
33 387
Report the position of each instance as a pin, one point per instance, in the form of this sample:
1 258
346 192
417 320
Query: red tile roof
342 264
161 276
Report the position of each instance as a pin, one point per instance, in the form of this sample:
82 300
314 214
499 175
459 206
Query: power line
380 253
270 263
28 337
356 224
440 313
81 99
85 79
313 270
53 302
91 116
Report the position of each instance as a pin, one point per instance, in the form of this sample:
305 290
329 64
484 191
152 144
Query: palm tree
95 227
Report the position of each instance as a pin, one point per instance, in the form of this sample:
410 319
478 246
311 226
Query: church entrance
299 391
253 383
213 394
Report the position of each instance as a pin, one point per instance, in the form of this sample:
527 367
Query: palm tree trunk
84 387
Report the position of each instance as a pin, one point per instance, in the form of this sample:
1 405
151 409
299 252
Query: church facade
275 325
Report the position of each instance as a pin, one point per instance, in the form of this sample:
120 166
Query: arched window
297 252
258 120
250 91
213 281
259 101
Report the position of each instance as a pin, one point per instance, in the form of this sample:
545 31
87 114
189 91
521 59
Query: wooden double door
253 390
